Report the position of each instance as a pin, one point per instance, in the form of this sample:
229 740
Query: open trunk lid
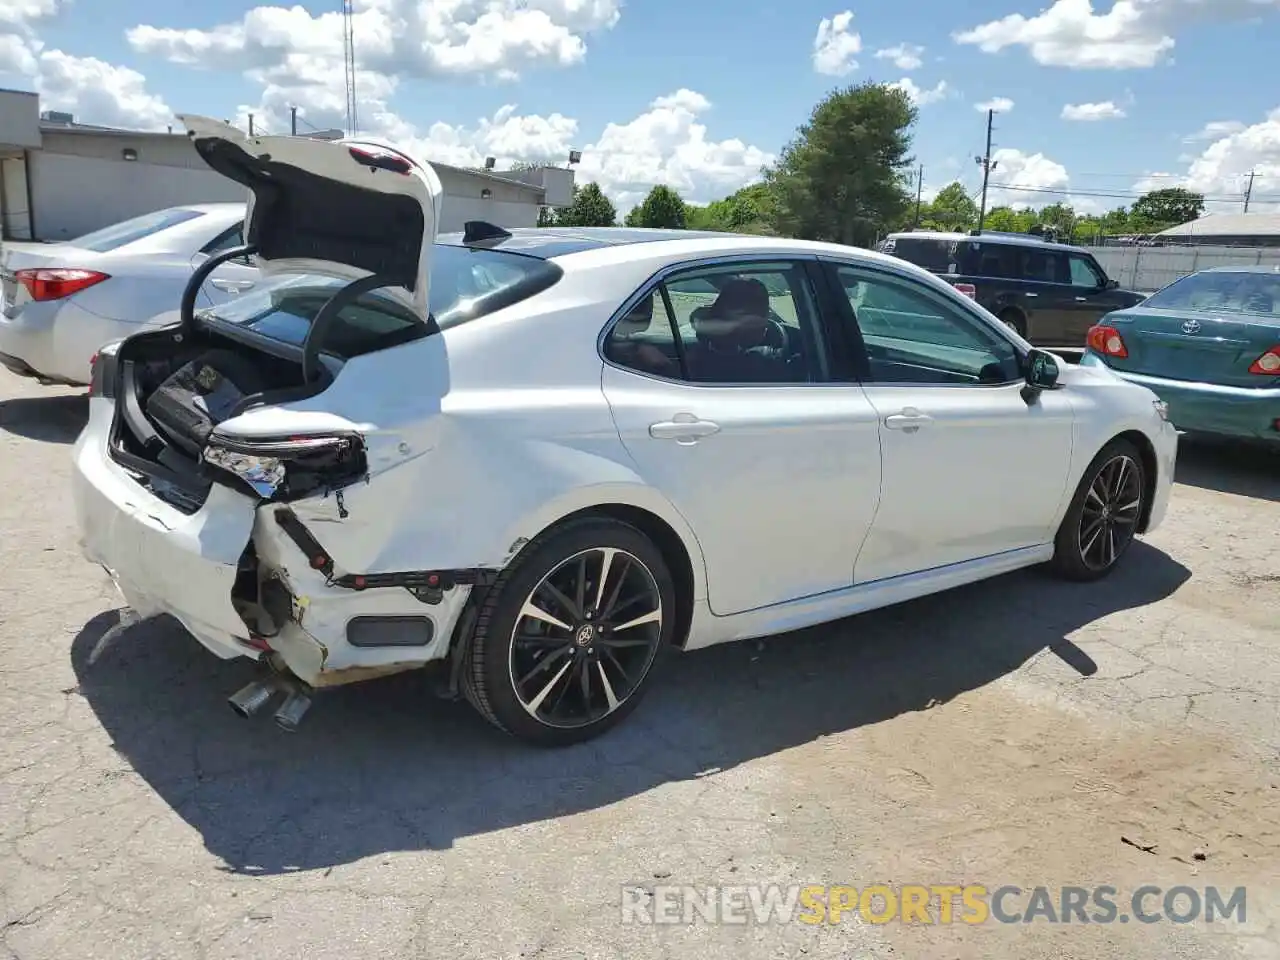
346 208
1198 346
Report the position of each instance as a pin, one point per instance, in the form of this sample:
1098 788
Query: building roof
1228 225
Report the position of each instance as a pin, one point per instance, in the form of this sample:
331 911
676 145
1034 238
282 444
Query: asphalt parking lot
1018 732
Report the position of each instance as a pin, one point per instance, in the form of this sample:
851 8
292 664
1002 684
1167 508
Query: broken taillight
288 467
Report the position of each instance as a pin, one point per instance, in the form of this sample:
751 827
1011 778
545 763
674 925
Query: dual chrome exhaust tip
254 697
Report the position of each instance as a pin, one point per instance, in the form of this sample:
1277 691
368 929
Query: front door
1089 298
775 466
970 468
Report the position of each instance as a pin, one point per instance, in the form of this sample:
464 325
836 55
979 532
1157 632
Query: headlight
1162 409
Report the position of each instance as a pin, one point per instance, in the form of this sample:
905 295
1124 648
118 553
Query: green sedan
1208 345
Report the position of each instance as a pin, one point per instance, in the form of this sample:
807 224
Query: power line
1068 191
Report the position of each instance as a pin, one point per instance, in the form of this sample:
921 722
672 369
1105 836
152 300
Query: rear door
231 279
779 476
970 467
1046 277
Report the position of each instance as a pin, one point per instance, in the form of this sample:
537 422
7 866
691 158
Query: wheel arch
642 508
1150 468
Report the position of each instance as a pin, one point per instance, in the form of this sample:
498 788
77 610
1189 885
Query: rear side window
128 231
932 254
995 260
465 284
1044 266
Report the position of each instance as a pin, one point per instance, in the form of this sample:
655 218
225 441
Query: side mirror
1042 371
1112 285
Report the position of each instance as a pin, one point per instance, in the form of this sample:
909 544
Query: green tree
590 208
952 209
661 208
1009 220
748 210
1058 218
844 177
1167 208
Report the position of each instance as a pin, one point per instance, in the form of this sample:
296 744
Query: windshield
466 284
1226 292
129 231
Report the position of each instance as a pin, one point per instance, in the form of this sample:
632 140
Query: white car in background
546 458
61 301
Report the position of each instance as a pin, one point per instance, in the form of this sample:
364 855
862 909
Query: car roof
548 242
987 236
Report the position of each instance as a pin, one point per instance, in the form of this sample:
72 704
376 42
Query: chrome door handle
683 428
231 286
909 420
1031 294
1082 299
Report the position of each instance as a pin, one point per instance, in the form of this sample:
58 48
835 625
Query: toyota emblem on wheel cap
1191 326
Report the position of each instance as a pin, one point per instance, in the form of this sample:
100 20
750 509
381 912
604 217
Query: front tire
1104 514
568 638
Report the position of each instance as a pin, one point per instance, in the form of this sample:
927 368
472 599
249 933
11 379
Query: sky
1096 102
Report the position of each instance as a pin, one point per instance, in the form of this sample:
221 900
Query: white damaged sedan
546 458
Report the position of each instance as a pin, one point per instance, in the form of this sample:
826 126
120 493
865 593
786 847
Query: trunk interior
172 388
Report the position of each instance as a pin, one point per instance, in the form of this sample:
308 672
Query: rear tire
558 657
1103 516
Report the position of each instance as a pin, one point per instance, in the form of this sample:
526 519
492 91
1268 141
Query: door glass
912 335
740 323
994 260
1083 274
1044 266
227 240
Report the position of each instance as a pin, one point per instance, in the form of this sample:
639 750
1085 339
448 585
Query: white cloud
1214 130
998 104
492 38
1039 178
922 96
1091 112
836 45
1132 33
1222 169
905 56
92 90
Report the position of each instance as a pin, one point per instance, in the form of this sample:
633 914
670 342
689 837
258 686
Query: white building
60 179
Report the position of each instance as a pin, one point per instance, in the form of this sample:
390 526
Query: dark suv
1050 293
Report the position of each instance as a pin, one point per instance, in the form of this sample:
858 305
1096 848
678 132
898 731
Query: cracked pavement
1010 732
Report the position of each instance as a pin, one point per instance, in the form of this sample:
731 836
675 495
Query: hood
349 207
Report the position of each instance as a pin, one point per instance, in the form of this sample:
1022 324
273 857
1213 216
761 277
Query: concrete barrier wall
1150 268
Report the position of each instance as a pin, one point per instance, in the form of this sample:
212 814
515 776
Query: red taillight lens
1267 365
968 289
54 283
1107 341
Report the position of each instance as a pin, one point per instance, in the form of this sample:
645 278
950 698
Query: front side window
1083 272
130 231
913 335
742 323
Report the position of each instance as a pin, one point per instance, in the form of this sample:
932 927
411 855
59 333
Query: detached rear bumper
188 565
1246 412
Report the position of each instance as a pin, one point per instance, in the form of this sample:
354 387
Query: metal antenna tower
349 55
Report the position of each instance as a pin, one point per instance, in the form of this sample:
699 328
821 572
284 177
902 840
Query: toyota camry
545 459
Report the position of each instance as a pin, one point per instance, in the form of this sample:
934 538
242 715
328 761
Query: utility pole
293 121
251 124
1248 193
987 166
919 191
